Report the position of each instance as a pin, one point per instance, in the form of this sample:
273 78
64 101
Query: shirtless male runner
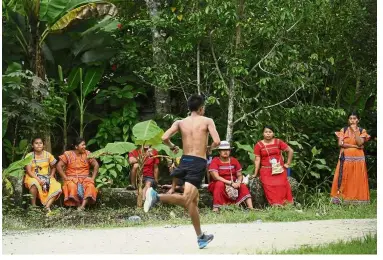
194 130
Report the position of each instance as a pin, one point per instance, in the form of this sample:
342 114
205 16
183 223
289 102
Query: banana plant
36 19
86 86
45 17
16 169
66 88
145 133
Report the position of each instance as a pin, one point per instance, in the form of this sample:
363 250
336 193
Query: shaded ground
244 238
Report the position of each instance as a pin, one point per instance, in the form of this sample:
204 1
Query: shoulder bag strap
231 174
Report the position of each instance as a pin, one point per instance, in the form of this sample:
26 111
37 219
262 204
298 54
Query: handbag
45 178
231 192
276 168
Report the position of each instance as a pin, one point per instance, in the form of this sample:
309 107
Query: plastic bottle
134 219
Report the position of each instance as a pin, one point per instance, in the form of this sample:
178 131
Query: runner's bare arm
169 133
213 133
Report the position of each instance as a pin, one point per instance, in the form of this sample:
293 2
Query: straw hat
224 145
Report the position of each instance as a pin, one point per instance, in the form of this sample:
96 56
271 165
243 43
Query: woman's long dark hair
77 142
268 127
37 138
353 113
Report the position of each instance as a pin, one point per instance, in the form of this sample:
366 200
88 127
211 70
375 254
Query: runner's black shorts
192 169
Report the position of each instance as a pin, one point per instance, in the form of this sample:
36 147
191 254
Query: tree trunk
198 70
37 64
230 111
357 85
161 95
65 127
232 85
139 186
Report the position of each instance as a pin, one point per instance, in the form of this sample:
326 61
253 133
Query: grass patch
361 246
19 219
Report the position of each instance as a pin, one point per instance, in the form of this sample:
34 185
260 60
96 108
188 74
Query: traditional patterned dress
43 165
276 187
217 188
77 171
352 187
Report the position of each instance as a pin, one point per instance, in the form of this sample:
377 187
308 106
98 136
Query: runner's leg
189 200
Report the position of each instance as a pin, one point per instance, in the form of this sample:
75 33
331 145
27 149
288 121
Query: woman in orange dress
78 188
350 183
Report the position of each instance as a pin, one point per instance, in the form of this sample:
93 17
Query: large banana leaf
247 148
16 169
107 25
82 12
52 10
166 149
92 77
120 147
97 153
96 55
73 80
114 148
90 41
8 186
147 132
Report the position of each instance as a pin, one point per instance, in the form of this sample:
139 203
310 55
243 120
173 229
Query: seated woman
40 175
226 170
350 183
269 162
79 189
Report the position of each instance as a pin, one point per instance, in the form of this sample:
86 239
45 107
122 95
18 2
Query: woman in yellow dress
40 176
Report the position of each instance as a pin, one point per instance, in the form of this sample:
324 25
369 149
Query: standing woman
269 163
350 179
79 188
40 175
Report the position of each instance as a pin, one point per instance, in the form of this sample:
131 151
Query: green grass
18 219
366 245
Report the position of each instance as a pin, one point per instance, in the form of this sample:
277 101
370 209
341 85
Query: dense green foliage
297 65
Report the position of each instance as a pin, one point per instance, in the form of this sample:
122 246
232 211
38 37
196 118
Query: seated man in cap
226 171
150 170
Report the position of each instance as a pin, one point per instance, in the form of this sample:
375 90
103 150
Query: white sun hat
224 145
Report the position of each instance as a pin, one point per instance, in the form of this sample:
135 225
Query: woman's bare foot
216 210
81 208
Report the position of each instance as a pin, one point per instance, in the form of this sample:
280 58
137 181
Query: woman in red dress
226 170
269 163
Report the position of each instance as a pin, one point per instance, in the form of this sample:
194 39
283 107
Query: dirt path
229 238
